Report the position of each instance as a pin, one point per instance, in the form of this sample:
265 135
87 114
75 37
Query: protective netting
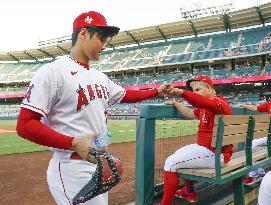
171 135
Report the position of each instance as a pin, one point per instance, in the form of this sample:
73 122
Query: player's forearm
30 128
187 112
199 101
250 107
133 96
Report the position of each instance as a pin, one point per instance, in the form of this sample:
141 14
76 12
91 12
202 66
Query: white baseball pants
191 156
66 177
259 142
264 197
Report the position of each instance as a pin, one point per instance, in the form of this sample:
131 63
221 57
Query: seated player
257 175
202 96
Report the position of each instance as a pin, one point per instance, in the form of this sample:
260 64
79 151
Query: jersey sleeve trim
120 98
33 108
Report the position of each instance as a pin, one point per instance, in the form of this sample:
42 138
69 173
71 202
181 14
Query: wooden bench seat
238 160
235 129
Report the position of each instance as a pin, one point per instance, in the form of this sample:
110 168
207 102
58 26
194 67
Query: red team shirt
265 107
206 109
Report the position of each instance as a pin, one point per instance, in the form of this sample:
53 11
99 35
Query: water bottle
103 140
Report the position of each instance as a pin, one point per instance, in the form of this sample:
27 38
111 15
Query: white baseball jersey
74 102
264 197
73 99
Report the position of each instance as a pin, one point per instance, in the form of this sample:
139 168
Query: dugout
160 131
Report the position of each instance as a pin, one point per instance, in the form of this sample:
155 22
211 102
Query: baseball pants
66 177
264 197
191 156
259 142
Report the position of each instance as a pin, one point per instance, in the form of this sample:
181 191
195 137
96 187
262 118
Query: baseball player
72 100
200 154
264 197
257 175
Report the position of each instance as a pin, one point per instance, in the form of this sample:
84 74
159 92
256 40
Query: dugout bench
242 126
235 129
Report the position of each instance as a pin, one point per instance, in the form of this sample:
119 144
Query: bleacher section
238 43
225 41
12 90
247 71
253 36
242 71
190 49
177 47
234 99
221 74
9 111
176 77
19 72
268 69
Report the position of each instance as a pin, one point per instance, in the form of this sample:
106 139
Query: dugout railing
145 147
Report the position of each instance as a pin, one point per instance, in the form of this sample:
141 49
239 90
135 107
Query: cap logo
88 20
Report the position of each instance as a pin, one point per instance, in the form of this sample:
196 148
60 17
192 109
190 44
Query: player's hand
164 89
82 145
175 92
170 102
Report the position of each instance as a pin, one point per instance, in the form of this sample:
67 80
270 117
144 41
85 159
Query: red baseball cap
201 78
93 18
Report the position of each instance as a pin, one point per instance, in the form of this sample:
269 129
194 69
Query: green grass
122 131
11 144
8 123
175 128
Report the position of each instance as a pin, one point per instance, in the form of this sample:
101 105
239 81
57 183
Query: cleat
248 181
191 197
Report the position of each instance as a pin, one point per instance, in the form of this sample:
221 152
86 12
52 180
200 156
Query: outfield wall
8 118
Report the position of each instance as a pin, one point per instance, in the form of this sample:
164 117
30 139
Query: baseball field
122 131
10 143
24 164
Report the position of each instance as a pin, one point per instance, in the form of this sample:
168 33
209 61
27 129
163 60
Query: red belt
75 155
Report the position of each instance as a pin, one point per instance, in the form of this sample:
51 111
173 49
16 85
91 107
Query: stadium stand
192 49
9 111
177 47
175 52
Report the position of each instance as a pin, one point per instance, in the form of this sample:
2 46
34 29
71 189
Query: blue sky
25 22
